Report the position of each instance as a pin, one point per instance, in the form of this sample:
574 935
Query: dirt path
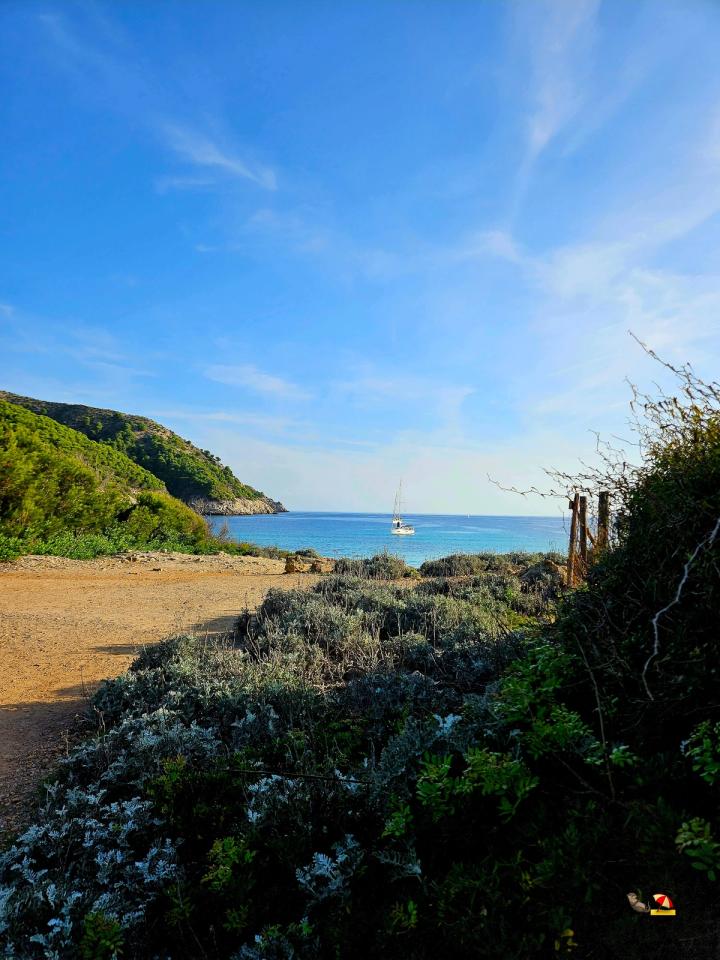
67 624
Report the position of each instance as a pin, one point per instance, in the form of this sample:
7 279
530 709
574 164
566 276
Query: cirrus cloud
249 377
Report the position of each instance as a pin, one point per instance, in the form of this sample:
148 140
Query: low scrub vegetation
467 564
383 566
242 795
470 766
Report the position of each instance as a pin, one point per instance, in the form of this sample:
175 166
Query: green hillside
56 483
188 472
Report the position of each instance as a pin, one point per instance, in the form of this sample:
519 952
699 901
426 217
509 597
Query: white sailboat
399 526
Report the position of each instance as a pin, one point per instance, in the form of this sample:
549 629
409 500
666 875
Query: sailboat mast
398 525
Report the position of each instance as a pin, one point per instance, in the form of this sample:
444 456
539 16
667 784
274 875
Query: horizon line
413 513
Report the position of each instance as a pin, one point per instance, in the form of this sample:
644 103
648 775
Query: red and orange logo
665 907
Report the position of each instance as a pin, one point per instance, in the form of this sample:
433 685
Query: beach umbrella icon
663 900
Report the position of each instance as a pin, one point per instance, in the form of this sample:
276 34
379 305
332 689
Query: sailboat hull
403 531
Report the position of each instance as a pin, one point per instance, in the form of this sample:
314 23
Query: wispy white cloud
305 231
91 372
92 349
94 343
260 421
251 378
200 149
438 476
556 38
581 340
582 269
629 237
483 243
400 387
652 41
441 402
586 295
561 48
301 230
108 64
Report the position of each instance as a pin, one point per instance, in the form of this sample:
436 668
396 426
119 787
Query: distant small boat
399 526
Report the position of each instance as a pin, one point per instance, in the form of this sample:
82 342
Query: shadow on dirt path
67 625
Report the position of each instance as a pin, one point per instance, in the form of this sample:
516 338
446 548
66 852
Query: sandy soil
65 625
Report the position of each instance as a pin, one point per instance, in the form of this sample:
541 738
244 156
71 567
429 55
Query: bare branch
707 542
601 718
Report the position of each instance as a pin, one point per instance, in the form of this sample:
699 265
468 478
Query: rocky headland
236 506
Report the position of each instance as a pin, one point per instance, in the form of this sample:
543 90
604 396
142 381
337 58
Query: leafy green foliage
695 838
182 468
10 547
53 478
227 857
486 771
61 493
703 748
102 938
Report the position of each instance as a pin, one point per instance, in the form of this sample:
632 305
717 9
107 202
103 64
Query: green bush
83 546
470 564
10 547
245 549
382 566
102 938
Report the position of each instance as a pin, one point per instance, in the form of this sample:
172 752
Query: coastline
334 534
237 507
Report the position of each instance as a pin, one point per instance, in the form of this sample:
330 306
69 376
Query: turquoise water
363 534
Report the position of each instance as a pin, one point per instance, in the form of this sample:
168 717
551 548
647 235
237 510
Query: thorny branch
707 542
657 422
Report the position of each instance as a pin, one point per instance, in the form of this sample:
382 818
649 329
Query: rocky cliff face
238 507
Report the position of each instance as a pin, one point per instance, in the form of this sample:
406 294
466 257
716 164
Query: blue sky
340 243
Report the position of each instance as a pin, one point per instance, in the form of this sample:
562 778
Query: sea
365 534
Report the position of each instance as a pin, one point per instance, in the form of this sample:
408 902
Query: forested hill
57 485
195 476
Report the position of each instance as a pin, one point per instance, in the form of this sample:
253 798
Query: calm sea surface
363 534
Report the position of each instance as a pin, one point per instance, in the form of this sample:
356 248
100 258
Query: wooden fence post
603 526
583 532
573 504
